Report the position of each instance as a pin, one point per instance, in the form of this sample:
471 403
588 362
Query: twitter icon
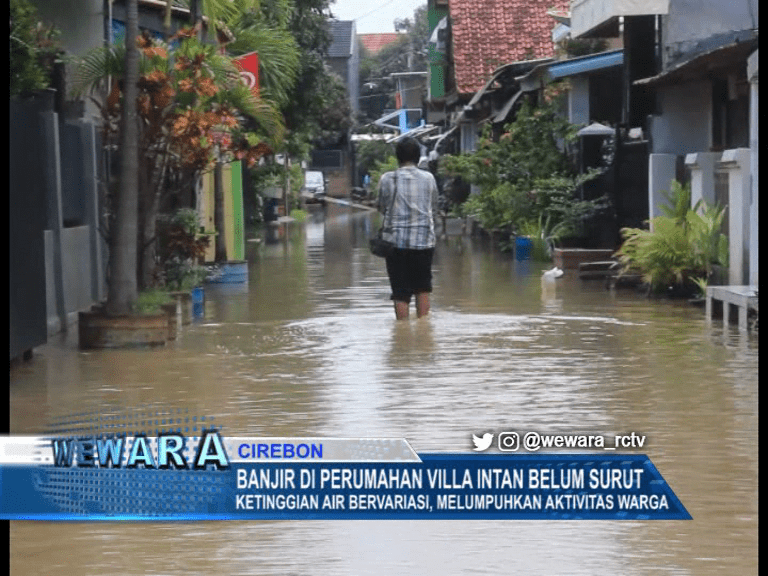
483 443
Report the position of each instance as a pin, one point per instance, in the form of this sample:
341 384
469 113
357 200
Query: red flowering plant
193 110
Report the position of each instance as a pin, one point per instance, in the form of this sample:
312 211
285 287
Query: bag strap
391 206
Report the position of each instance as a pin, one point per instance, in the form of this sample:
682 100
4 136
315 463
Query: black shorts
410 272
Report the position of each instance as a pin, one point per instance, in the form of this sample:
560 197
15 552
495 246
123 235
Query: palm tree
122 291
278 66
163 80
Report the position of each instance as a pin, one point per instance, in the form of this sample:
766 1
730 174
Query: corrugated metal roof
584 64
705 63
564 68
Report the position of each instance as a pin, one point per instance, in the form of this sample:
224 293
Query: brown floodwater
311 348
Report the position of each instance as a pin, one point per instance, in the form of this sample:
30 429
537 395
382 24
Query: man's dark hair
408 150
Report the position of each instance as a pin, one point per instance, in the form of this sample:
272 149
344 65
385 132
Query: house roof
720 60
342 32
489 33
375 42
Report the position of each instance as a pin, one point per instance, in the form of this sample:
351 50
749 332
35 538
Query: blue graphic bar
432 486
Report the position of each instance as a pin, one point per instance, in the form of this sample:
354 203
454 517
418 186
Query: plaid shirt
415 209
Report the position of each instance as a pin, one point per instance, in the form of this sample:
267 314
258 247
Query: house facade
336 160
690 84
57 254
344 58
57 182
477 50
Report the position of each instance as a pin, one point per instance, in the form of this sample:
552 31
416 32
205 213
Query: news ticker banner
172 477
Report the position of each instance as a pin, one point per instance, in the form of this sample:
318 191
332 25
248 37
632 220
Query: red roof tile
489 33
375 42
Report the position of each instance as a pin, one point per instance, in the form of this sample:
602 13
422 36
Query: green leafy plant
704 228
299 215
380 169
701 285
582 47
679 202
664 256
370 152
684 248
151 301
274 175
33 49
526 175
543 236
181 248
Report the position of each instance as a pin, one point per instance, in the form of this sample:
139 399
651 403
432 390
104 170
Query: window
468 137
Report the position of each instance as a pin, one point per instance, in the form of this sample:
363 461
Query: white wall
578 100
692 20
754 144
81 23
685 124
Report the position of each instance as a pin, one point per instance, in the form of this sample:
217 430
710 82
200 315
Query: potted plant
182 247
34 53
686 250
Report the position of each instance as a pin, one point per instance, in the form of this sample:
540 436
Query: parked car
315 186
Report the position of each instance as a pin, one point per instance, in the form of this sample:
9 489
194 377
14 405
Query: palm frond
96 66
92 69
279 59
219 10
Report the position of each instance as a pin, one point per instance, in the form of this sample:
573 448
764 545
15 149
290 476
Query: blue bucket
523 248
198 295
198 302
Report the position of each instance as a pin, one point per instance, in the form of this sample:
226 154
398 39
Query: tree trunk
167 20
195 16
147 217
122 291
153 168
149 243
218 214
194 11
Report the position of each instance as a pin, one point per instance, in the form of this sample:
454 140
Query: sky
374 16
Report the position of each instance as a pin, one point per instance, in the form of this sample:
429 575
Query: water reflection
312 349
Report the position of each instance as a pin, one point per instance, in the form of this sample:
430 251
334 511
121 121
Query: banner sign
173 477
249 70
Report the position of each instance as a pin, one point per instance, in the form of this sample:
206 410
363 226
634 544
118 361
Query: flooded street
311 349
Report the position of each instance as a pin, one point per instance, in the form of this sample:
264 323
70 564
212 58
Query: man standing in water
412 220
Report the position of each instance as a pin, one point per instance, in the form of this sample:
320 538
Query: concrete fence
56 252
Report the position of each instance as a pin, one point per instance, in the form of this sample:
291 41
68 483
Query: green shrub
542 236
684 247
181 248
299 215
370 153
32 49
381 168
527 175
151 301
